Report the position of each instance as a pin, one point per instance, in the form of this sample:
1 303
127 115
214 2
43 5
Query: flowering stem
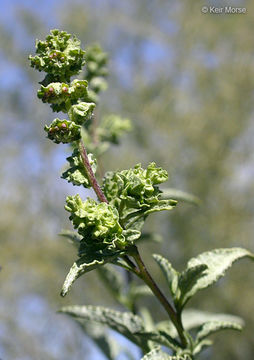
90 173
147 278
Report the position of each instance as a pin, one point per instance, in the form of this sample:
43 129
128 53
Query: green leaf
83 265
217 262
160 337
212 327
72 236
77 173
125 323
158 354
187 281
112 279
149 236
107 344
193 319
137 291
179 195
201 345
169 272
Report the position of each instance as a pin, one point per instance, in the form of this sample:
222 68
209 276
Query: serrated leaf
160 337
193 318
179 195
214 326
187 281
158 354
210 328
169 272
125 323
83 265
217 262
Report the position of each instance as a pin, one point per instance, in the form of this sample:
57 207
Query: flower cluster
81 111
63 131
98 224
62 96
59 55
135 193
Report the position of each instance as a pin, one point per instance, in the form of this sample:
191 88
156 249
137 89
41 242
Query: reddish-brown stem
90 174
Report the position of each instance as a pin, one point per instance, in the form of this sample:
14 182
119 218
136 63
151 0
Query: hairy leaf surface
215 326
170 273
83 265
125 323
158 354
217 262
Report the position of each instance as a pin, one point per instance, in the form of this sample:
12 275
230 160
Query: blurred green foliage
186 80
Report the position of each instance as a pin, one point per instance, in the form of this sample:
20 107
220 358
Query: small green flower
63 131
98 224
135 193
137 183
62 96
59 55
81 112
77 174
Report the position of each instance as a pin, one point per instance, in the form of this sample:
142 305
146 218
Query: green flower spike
113 127
60 56
63 131
96 62
98 224
76 174
135 194
61 96
96 70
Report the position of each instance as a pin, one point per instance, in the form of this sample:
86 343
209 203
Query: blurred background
186 80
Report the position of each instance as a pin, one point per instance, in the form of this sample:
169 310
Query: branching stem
141 271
